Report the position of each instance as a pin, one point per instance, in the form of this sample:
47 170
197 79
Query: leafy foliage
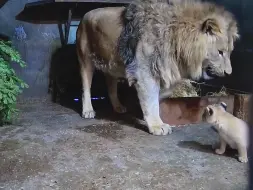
10 84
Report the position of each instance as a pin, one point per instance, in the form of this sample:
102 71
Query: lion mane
174 30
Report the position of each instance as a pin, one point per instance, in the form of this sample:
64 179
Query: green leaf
10 83
14 98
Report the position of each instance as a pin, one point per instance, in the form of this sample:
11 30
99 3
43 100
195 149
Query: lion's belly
117 72
109 66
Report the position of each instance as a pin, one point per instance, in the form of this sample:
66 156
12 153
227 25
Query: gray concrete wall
34 42
37 42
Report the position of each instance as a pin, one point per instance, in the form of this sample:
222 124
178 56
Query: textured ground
51 147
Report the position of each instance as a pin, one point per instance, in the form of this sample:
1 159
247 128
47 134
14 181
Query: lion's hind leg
113 94
86 71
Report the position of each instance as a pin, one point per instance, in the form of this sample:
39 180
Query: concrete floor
52 147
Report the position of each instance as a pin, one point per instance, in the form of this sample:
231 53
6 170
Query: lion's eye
220 52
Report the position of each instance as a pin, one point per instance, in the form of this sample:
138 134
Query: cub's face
210 113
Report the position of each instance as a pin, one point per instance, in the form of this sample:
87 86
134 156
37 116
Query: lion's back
103 24
99 31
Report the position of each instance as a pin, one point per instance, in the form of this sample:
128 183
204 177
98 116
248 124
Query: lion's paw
120 109
89 114
163 129
243 159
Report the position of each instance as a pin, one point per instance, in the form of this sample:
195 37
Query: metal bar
67 26
61 33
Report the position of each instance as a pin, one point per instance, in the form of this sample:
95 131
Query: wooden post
65 35
241 106
61 33
67 26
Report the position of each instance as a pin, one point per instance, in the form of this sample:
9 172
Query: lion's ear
211 26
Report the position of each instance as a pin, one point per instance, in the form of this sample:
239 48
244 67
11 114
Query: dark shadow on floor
65 88
124 119
65 84
194 145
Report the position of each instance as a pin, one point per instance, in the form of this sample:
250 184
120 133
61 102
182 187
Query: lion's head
205 36
218 49
185 38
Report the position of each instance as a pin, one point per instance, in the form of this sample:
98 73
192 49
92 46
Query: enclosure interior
51 145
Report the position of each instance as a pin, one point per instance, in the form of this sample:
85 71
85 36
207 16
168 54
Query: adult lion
154 44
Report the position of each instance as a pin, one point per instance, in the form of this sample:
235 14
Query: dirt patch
112 131
193 145
10 129
16 166
9 144
20 160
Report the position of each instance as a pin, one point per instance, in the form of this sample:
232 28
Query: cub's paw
219 151
243 159
120 109
163 129
89 114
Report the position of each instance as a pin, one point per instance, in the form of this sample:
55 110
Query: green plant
10 84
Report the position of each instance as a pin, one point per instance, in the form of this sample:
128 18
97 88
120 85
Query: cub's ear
211 26
209 111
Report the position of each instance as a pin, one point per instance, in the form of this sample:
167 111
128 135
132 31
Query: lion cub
232 130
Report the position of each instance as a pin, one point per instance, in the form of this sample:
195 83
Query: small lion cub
232 130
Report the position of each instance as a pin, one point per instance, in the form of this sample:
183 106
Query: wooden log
241 106
189 110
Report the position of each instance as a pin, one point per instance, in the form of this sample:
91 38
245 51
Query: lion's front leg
148 93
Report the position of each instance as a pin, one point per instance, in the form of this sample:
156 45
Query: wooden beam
93 1
2 2
50 11
62 12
